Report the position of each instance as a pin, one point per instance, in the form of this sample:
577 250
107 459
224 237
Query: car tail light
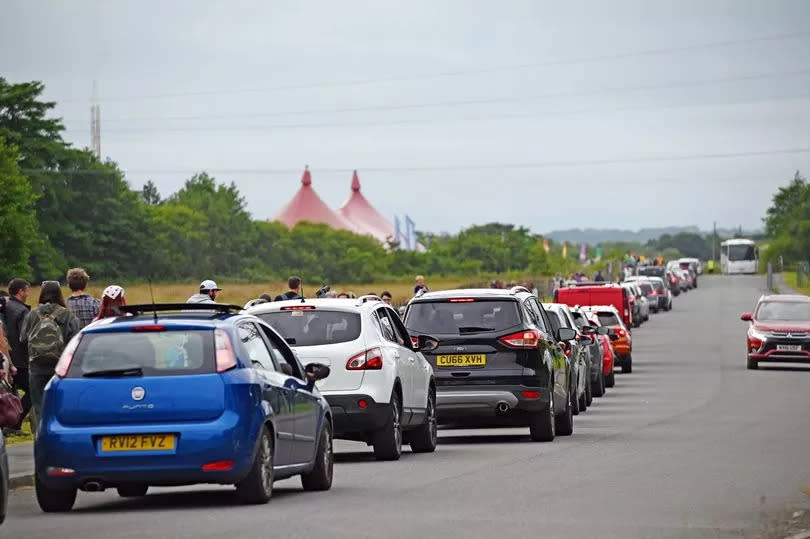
362 404
298 308
530 394
218 466
56 471
522 339
226 359
150 327
567 351
621 333
66 358
370 360
461 300
415 342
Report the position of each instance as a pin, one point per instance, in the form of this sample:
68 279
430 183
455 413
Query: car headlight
755 334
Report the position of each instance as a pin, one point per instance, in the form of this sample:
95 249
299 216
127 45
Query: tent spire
306 178
355 183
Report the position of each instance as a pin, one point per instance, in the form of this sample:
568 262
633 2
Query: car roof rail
169 307
419 294
368 297
517 289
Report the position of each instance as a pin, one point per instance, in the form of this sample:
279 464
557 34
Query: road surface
689 445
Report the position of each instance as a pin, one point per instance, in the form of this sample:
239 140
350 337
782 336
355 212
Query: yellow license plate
138 442
461 360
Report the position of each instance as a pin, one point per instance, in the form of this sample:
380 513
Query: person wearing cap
207 294
111 299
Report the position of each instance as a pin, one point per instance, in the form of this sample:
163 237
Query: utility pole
95 123
714 241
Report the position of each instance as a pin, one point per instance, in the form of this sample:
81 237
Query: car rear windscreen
579 319
155 353
461 317
647 289
607 318
314 327
653 271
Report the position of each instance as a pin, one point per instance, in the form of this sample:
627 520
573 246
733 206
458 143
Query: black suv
498 361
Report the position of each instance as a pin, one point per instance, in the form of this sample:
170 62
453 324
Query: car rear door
395 353
306 405
419 370
280 398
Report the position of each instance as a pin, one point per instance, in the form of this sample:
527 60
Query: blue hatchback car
165 398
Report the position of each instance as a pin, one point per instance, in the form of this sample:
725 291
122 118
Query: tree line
787 222
63 207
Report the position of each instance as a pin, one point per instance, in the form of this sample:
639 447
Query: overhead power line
460 167
481 101
460 72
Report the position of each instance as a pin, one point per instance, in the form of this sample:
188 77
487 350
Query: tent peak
306 178
355 182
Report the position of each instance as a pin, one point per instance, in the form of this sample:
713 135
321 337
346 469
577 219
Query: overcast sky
545 114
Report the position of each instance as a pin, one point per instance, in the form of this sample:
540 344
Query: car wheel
627 364
424 438
565 421
589 392
583 400
257 487
541 424
388 440
132 491
53 500
320 477
610 380
599 389
752 364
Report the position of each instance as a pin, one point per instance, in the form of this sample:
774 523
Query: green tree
18 220
150 194
787 222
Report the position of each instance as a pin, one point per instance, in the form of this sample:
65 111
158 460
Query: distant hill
593 236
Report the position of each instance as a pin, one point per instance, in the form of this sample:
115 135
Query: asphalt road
689 445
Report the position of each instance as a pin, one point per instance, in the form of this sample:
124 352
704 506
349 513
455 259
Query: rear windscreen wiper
473 329
111 373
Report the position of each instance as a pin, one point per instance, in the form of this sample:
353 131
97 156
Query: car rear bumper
493 401
349 417
230 437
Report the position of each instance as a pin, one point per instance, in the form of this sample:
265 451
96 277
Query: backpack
45 339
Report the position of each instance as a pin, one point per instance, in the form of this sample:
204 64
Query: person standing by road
207 294
46 331
386 297
14 314
420 285
83 305
111 299
599 278
294 283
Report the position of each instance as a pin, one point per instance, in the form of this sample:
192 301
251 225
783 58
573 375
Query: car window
399 328
385 325
532 313
544 319
314 327
255 347
608 318
281 352
454 317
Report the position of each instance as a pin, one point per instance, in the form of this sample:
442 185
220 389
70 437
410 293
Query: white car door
420 368
393 353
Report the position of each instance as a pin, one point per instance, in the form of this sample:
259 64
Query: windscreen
784 311
155 353
646 288
738 253
607 318
314 327
651 271
456 318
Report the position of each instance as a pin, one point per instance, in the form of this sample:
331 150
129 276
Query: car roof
487 293
785 298
596 308
198 320
335 304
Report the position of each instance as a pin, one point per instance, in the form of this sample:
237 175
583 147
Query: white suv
381 388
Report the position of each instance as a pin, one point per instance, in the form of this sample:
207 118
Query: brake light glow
462 300
66 358
362 404
522 339
415 342
150 327
530 394
621 333
218 466
56 471
370 360
298 308
226 359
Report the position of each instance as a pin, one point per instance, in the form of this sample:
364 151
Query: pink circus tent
365 218
306 205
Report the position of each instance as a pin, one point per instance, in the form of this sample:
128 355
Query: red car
779 331
598 294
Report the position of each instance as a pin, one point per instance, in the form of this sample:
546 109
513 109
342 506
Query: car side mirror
426 343
588 330
287 369
566 334
602 330
747 317
317 371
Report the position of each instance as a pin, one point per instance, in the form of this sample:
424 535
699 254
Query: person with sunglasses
46 331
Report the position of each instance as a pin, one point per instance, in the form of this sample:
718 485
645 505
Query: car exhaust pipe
93 486
502 408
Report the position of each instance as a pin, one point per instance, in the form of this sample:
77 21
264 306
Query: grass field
790 279
240 293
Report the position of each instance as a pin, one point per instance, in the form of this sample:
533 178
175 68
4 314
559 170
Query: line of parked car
200 393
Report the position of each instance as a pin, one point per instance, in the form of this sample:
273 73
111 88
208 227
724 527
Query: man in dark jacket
294 292
14 314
